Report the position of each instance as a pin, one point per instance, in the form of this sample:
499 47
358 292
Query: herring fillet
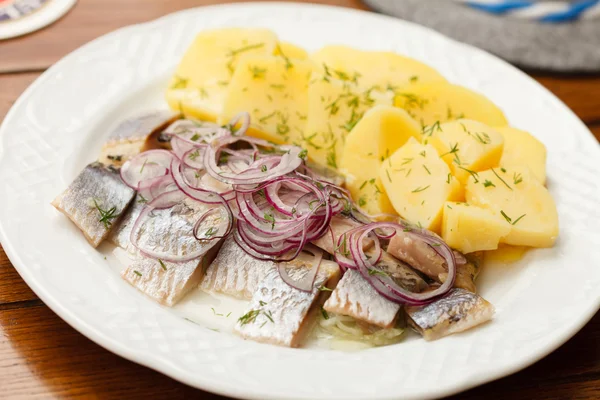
96 188
235 273
170 231
166 282
119 236
134 136
355 297
280 314
458 311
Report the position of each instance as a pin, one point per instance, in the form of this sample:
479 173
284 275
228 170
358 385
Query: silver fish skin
136 135
280 314
166 282
170 231
458 311
120 235
355 297
402 273
234 272
339 225
96 188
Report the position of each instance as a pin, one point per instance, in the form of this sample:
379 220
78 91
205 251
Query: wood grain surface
41 356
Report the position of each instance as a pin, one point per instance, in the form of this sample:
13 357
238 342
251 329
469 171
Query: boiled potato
381 131
274 92
505 253
418 183
468 228
466 146
291 51
522 149
334 109
438 102
383 70
518 197
201 80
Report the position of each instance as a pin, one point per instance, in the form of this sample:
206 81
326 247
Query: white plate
59 123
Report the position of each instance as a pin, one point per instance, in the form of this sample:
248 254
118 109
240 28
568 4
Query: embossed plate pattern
58 124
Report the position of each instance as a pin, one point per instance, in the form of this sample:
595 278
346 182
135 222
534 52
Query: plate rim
147 359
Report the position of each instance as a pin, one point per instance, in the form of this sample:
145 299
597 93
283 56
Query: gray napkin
571 46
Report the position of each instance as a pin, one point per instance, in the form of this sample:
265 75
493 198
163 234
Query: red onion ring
385 285
307 281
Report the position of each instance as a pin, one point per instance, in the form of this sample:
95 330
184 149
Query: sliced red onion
146 165
244 117
257 172
202 195
383 283
154 187
306 282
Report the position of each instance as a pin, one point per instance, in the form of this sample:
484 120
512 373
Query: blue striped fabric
500 7
571 11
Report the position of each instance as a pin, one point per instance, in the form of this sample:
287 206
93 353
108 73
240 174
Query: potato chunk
466 146
381 131
374 68
433 102
291 51
522 149
274 92
334 109
201 80
515 195
468 228
419 183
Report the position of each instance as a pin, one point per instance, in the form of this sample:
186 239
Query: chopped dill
474 174
420 189
427 169
503 181
138 273
106 215
162 264
488 183
324 313
517 178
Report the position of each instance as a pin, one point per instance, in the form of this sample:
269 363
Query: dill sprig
503 181
106 215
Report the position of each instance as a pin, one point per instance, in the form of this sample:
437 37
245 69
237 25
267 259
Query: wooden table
40 355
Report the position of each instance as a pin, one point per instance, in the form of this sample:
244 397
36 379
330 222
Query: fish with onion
136 135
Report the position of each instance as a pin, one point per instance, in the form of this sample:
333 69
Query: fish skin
171 230
120 235
355 297
136 135
339 225
167 286
458 311
401 272
293 311
234 272
103 184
